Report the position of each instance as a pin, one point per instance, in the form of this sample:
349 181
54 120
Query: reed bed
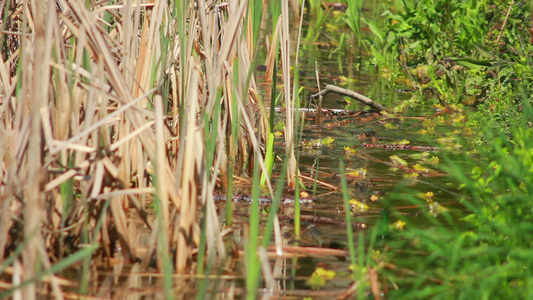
116 108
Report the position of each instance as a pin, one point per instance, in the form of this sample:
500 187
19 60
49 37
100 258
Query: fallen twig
350 93
323 183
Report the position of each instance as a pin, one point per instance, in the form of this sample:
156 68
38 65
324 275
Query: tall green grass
348 211
353 18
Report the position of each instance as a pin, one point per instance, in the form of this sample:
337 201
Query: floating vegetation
358 206
429 130
391 126
412 175
399 225
318 143
360 172
395 159
349 152
432 122
433 160
422 169
320 277
402 142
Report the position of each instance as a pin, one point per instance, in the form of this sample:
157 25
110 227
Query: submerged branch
352 94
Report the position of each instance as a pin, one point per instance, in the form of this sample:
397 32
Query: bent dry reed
113 109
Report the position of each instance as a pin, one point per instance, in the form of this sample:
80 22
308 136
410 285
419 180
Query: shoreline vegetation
476 56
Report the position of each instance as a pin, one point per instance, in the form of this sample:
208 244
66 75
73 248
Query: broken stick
350 93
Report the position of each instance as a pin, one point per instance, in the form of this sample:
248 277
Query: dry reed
106 102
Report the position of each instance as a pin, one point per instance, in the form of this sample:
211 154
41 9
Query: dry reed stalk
76 122
35 88
272 53
289 132
221 39
192 160
56 112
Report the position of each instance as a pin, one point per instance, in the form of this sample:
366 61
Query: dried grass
110 102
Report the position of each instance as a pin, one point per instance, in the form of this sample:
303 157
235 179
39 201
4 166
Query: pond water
374 176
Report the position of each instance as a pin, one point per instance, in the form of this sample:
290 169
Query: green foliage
474 53
468 51
353 17
439 27
487 253
503 190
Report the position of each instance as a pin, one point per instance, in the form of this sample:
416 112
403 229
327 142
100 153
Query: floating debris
263 199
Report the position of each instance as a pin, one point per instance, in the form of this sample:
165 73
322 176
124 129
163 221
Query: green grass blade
347 208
